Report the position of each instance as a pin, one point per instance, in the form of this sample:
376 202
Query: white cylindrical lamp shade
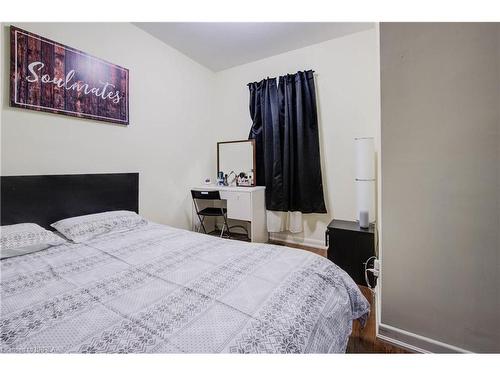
365 193
365 177
365 158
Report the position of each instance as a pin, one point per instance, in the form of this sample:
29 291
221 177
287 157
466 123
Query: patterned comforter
166 290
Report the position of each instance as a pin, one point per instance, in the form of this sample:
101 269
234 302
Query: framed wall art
51 77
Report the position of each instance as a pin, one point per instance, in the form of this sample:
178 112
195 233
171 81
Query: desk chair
213 195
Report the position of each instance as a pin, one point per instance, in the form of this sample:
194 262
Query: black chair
212 195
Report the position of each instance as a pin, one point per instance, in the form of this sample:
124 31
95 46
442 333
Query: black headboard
48 198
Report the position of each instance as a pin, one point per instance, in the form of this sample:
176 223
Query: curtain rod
288 74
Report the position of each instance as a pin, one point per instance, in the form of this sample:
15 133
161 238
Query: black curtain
285 129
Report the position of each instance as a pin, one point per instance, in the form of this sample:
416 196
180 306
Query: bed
159 289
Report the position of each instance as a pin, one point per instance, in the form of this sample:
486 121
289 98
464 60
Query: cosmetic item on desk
220 178
232 179
243 180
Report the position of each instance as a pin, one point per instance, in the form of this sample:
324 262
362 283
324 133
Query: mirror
236 159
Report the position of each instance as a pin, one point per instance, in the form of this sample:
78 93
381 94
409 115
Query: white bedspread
161 289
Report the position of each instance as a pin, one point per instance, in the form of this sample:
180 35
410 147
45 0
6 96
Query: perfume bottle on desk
220 179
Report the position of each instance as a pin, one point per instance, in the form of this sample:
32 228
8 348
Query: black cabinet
350 246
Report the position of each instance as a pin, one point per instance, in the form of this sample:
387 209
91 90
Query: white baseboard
414 342
288 237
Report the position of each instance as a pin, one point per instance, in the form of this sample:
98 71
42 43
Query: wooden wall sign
51 77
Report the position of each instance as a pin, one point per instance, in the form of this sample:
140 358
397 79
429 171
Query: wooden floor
362 340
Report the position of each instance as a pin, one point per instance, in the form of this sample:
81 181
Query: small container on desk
350 246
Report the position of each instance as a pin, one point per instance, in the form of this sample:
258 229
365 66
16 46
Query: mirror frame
252 141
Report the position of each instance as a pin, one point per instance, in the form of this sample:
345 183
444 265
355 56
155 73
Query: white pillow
8 253
83 228
19 239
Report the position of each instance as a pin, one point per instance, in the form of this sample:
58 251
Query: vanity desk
246 205
243 203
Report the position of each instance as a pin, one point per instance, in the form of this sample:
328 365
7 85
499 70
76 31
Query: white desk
243 203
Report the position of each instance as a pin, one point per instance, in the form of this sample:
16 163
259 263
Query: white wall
179 109
169 139
441 184
347 83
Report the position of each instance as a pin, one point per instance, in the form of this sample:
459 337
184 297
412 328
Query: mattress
158 289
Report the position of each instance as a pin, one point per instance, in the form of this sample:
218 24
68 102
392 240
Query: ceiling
222 45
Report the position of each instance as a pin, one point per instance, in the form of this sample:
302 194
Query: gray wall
441 182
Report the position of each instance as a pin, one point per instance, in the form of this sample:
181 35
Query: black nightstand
350 246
